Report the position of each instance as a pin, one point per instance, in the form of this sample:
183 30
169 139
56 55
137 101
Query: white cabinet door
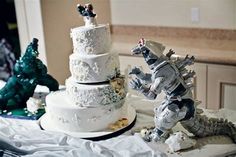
221 90
30 25
228 95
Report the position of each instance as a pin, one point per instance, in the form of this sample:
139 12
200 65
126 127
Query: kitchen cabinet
221 86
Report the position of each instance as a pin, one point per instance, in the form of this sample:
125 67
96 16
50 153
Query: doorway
8 26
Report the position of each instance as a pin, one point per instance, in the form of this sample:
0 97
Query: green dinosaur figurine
29 71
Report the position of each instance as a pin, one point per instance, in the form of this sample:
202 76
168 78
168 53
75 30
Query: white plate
130 114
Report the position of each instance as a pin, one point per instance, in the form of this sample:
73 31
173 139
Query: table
27 135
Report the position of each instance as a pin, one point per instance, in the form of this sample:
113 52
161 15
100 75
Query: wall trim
216 34
30 25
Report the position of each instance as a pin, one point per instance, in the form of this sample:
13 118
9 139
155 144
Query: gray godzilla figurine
172 77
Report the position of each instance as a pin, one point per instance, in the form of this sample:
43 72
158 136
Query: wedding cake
95 92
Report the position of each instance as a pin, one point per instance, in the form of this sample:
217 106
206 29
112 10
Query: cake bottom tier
69 117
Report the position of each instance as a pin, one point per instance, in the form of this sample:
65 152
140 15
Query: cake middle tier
94 68
95 95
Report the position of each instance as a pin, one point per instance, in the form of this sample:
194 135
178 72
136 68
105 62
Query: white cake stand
130 114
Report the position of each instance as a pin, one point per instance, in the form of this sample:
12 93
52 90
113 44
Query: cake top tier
87 12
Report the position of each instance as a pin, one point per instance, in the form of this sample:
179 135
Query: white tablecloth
26 135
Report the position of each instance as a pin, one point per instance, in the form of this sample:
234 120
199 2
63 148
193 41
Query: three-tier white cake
95 92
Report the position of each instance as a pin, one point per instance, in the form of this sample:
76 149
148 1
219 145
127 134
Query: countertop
27 136
204 50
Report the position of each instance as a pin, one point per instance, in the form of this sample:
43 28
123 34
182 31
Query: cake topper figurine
29 71
172 77
88 14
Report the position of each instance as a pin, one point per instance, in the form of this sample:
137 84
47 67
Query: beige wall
177 13
59 16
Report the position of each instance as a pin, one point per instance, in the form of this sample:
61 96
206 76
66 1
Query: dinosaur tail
202 126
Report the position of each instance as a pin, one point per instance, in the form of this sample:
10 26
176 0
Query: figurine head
89 7
88 14
32 49
86 10
35 47
145 46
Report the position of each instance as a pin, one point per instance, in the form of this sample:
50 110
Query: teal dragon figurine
29 71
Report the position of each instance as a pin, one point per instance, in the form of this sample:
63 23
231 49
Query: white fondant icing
34 104
69 117
91 40
92 95
94 68
89 107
